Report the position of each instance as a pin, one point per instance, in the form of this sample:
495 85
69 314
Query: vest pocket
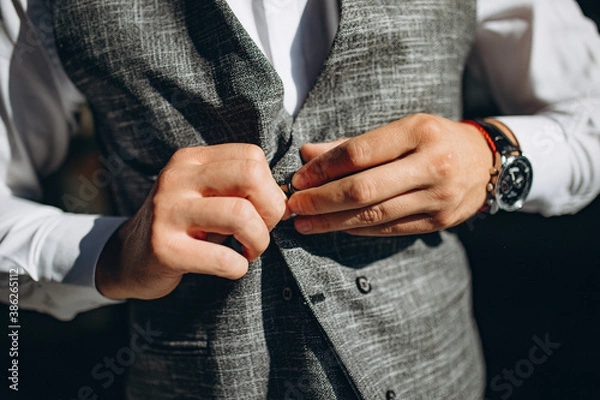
179 347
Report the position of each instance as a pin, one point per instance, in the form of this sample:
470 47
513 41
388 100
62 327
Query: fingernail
298 181
303 225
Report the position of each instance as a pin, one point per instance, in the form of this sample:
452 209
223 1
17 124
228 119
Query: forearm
563 149
539 61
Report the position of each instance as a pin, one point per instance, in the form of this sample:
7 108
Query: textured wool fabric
317 317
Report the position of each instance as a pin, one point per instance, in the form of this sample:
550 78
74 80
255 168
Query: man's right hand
203 195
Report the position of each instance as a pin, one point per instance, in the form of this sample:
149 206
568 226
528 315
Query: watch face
514 183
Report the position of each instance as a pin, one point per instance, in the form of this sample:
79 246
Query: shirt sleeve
54 252
540 61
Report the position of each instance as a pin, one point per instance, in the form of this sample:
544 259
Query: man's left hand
419 174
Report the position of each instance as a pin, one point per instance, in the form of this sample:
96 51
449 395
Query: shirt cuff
90 248
72 247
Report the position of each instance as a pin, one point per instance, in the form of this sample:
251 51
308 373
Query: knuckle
260 235
443 220
226 266
431 224
430 125
323 224
357 153
391 230
222 263
326 224
263 243
254 172
254 152
425 128
319 170
167 178
443 165
307 205
242 210
447 196
361 192
417 119
371 215
183 154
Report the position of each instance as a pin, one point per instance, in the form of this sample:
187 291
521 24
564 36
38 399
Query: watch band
503 144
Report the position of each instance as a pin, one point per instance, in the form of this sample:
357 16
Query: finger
202 257
248 179
228 216
233 178
370 149
220 152
411 225
312 150
375 216
364 188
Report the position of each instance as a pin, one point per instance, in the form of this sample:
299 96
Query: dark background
532 276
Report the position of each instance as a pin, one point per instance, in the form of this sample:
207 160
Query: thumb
312 150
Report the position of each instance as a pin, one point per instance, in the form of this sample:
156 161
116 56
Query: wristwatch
512 174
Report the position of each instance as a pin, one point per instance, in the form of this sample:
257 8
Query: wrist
512 175
488 151
486 144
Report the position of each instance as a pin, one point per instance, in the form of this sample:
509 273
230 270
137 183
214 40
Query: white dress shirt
538 59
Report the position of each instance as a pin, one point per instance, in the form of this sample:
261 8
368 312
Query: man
362 293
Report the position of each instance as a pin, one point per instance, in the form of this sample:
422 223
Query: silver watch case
514 184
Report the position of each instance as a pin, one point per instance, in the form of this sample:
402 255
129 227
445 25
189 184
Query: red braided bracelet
493 170
483 132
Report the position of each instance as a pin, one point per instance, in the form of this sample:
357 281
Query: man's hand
203 195
420 174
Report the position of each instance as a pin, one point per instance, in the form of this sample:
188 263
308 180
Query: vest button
287 294
390 395
363 285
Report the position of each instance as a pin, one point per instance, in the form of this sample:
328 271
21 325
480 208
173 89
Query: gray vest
318 317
